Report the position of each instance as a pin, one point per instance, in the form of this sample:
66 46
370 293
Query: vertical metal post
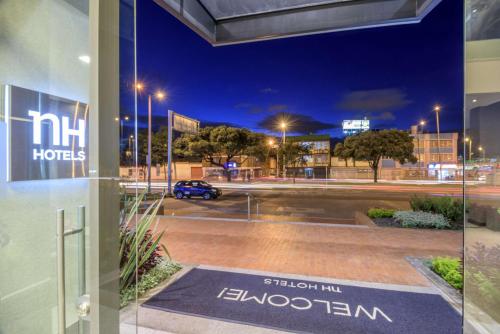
61 282
439 145
248 207
169 148
149 143
82 284
257 209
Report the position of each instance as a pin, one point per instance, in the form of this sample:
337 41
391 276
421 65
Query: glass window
482 149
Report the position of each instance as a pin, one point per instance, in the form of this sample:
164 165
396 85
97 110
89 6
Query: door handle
83 302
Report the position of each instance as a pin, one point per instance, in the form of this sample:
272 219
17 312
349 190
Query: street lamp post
469 140
483 151
437 109
422 123
159 95
283 140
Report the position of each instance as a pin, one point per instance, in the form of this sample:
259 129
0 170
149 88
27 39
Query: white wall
40 41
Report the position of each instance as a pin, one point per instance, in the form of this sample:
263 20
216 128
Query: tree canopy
220 145
372 146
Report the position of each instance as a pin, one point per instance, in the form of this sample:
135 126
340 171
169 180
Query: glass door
61 135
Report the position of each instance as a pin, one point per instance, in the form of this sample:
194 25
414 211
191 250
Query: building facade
431 149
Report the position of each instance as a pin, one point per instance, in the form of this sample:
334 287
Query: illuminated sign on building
47 136
351 127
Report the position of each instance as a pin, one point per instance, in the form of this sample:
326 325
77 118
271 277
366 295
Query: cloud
255 110
383 116
375 100
268 90
278 107
249 108
297 123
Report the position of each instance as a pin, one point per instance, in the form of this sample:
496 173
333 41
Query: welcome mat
305 306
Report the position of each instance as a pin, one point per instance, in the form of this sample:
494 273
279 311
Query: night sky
392 75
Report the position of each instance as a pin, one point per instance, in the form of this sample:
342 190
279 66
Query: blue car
196 188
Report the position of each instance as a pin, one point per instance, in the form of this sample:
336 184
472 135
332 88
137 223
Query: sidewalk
331 251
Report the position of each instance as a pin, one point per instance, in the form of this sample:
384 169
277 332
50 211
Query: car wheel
207 196
179 195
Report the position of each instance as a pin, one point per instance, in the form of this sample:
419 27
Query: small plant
451 208
450 269
421 219
139 244
380 213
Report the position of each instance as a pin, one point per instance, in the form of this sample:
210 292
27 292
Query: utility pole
437 109
169 148
422 123
149 143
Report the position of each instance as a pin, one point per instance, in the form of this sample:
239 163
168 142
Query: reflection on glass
482 151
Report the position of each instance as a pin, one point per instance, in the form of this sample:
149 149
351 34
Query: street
307 205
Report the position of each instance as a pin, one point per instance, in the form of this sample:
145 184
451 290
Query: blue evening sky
391 75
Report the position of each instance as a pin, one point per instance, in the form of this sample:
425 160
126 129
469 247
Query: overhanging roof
235 21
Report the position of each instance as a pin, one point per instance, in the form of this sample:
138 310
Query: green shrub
421 219
451 208
450 270
380 213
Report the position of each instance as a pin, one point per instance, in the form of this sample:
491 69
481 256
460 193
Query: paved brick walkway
353 253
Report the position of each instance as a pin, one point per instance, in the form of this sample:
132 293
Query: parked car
196 188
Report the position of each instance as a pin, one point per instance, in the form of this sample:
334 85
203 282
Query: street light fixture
483 151
159 95
283 126
437 109
421 123
469 140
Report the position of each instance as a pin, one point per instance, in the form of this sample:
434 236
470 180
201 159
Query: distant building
484 127
352 127
433 157
317 162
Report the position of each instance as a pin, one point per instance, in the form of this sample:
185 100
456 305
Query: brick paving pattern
353 253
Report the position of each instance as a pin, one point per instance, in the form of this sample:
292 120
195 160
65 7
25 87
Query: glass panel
59 166
482 148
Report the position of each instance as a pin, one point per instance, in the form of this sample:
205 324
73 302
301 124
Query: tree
350 147
294 154
219 145
392 144
347 150
341 152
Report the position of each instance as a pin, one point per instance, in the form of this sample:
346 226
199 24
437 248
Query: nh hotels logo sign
47 135
67 132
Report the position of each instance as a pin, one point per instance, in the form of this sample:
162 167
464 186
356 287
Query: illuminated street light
421 123
437 109
271 142
283 126
469 140
483 151
160 95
